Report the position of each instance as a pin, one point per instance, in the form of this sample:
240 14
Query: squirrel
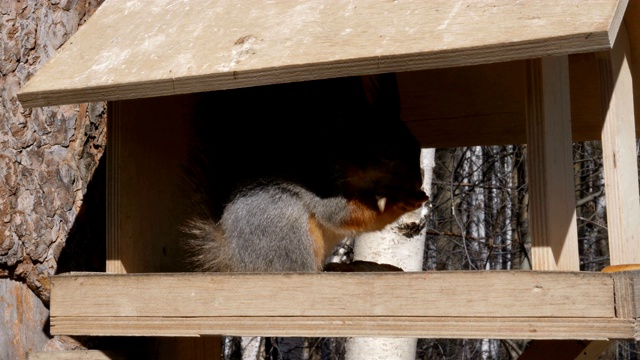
279 174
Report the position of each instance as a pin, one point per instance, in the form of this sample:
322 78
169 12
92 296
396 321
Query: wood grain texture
130 50
114 220
552 205
486 104
627 294
627 289
632 24
417 327
76 355
590 295
145 202
619 154
23 318
593 350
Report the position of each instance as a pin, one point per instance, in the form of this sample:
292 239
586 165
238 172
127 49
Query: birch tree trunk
390 246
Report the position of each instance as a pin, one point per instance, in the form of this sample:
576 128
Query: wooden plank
129 50
627 294
24 319
620 180
582 295
76 355
465 106
486 104
632 24
593 350
586 99
626 281
145 206
552 207
552 211
619 154
114 219
416 327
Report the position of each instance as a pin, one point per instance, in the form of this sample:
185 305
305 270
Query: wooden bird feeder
545 73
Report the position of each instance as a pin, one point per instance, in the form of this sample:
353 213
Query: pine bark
47 158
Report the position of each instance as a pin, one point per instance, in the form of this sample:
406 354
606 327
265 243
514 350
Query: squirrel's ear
382 92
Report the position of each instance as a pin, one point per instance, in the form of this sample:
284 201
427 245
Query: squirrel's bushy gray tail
206 246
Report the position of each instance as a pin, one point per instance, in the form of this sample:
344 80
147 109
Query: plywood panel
142 49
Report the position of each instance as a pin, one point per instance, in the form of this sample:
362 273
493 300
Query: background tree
400 244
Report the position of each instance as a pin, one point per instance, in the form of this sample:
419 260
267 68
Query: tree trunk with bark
47 158
397 246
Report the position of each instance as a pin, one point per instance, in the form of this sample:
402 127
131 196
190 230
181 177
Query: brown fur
315 232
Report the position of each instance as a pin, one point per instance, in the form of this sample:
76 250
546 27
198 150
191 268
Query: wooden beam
76 355
371 294
552 207
620 179
627 294
114 219
533 305
486 104
127 50
145 208
627 299
632 25
593 350
145 204
619 154
321 326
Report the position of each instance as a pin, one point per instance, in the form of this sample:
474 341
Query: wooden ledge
495 304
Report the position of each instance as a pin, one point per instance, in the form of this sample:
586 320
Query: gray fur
264 229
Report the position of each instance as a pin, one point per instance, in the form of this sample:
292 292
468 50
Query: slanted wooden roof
134 49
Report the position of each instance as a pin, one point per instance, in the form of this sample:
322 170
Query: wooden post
621 184
620 171
552 212
552 204
147 141
619 153
619 158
